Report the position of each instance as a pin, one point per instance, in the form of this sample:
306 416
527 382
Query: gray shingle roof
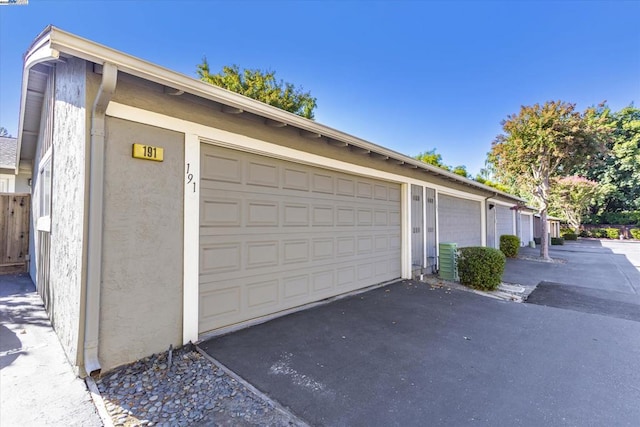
8 148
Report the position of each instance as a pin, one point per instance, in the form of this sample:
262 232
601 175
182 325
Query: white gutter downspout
96 195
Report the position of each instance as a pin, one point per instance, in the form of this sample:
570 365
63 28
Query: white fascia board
39 52
90 51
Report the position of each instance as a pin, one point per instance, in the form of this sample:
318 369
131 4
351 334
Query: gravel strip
183 389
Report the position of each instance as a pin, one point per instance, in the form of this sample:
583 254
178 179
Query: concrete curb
98 401
294 420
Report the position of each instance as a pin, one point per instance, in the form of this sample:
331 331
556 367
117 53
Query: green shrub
585 233
509 245
570 235
480 267
612 233
598 233
635 233
557 241
564 230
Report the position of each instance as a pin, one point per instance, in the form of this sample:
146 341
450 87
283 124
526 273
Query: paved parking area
607 265
408 354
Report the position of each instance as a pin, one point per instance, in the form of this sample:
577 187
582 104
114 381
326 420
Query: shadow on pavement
593 301
10 346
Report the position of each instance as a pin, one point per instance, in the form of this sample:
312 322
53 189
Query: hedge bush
481 267
570 235
585 233
598 233
557 241
635 233
509 245
612 233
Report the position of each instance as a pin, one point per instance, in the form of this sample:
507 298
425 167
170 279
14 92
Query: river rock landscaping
180 388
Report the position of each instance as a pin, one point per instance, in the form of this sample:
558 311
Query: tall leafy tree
570 197
261 85
541 142
618 172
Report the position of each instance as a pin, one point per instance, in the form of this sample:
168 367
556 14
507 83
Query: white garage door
275 235
459 221
504 221
526 229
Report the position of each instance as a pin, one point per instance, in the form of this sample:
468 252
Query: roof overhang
53 42
34 82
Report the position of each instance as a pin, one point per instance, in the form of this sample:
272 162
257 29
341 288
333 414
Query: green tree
482 180
461 170
261 85
618 172
570 197
432 158
541 142
4 132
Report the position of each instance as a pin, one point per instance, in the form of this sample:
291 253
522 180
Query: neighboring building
12 180
554 226
253 212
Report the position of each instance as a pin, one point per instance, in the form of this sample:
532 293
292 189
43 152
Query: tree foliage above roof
262 86
435 159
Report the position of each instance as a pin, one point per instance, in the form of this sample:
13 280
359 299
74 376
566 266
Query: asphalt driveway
596 276
607 265
408 354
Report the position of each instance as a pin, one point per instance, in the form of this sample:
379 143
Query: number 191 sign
148 152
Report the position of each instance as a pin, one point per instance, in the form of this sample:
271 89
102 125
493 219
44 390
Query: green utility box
448 261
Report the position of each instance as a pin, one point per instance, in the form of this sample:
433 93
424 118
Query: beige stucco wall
67 218
150 96
142 270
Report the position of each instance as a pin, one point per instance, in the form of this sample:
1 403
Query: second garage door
276 235
504 221
459 221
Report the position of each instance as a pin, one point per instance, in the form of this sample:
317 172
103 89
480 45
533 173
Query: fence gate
14 233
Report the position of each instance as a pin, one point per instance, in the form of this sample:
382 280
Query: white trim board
191 248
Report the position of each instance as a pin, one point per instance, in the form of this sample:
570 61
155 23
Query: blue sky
410 76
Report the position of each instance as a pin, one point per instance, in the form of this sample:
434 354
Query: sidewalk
37 384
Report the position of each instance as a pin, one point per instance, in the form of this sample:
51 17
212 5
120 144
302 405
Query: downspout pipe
96 197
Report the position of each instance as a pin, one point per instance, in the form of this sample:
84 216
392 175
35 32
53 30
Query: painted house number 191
190 177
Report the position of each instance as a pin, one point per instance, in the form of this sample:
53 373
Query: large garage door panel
459 221
275 235
504 219
526 229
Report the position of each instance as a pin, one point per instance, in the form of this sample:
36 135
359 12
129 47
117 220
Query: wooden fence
14 232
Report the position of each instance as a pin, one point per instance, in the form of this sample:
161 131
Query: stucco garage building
251 213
